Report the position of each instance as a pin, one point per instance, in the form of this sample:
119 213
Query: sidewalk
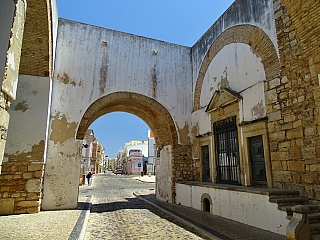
208 225
146 178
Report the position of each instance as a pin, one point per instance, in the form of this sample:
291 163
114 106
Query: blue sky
177 21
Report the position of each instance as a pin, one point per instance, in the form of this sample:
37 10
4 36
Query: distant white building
147 162
87 146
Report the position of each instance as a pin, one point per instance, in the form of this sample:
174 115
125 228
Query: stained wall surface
92 63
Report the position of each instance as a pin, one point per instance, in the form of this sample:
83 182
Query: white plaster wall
241 69
202 121
92 62
235 66
257 13
85 53
31 105
184 195
62 175
86 153
249 208
253 104
164 175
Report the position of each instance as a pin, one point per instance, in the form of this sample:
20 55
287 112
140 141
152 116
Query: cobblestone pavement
117 214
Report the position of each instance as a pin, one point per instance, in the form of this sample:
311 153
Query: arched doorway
206 203
154 115
67 159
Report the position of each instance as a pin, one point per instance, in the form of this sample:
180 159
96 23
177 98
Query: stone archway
149 110
158 119
206 203
247 34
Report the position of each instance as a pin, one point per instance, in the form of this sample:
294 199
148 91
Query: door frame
252 130
253 140
206 141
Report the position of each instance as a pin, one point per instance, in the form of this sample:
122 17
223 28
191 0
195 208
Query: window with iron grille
227 150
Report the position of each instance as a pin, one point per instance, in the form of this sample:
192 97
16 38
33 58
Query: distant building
87 146
131 164
111 163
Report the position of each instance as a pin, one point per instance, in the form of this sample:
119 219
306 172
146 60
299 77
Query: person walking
89 175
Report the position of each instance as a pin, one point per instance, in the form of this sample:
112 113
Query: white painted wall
62 174
242 70
92 62
257 13
238 67
22 137
127 62
249 208
164 175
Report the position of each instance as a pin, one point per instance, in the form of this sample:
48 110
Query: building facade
247 114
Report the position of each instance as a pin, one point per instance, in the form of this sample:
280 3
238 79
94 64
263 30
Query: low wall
247 207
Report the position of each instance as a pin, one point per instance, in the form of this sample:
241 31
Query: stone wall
36 54
184 167
21 188
292 108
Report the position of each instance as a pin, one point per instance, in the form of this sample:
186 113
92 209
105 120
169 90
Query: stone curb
183 221
86 219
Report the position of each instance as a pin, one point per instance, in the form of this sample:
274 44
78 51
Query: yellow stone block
6 206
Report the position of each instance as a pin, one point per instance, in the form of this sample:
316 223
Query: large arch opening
121 143
158 118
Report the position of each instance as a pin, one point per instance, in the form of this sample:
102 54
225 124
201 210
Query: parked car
117 171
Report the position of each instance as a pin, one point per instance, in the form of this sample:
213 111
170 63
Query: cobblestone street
117 214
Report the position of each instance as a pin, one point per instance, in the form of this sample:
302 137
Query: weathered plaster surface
61 177
241 69
201 122
256 13
97 62
61 129
35 154
92 63
164 175
27 141
10 80
184 134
